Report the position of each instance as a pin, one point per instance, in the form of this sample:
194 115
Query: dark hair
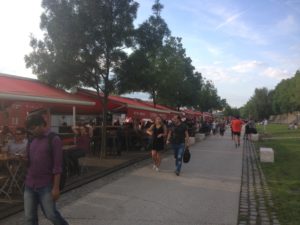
35 120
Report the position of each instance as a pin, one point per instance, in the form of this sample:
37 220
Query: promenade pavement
206 192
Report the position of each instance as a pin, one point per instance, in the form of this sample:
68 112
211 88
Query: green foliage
259 106
287 95
178 84
208 98
229 111
159 65
83 42
284 98
144 68
83 45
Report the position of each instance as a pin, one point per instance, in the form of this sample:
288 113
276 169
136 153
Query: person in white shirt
19 143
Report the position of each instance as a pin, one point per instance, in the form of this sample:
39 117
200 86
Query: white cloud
247 66
230 19
217 74
17 20
242 30
290 61
276 73
221 18
214 50
202 44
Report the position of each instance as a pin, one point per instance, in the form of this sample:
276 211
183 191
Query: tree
231 111
159 66
83 45
286 96
179 83
142 71
208 97
259 106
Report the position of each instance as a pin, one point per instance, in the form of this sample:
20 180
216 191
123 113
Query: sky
239 45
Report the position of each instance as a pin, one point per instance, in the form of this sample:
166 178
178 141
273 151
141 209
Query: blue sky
238 44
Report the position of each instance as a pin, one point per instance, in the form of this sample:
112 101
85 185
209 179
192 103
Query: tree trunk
104 125
154 98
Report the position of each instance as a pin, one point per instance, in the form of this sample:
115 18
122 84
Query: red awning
132 107
14 88
158 106
191 113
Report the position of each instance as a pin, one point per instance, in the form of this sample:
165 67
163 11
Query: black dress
157 142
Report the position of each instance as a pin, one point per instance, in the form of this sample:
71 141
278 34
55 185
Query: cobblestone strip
255 198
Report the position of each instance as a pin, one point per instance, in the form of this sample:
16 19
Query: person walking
222 126
44 170
236 126
250 129
158 131
81 149
178 136
214 127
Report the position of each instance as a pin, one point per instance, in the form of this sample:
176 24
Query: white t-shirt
17 148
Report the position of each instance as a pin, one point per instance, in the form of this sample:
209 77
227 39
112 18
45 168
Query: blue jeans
178 153
43 197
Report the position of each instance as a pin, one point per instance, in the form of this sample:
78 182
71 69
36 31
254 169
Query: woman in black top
158 131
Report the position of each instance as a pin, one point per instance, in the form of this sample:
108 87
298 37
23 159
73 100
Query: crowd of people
43 176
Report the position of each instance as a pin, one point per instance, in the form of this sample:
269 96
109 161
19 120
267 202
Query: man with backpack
42 181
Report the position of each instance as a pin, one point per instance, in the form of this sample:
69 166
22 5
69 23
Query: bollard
266 155
192 140
255 137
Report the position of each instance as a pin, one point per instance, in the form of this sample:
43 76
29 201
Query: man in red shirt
236 126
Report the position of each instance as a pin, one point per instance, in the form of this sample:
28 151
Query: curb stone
256 205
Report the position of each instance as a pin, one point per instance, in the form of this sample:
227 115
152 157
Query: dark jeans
178 153
43 197
74 156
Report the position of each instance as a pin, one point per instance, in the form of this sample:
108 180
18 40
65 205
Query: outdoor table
13 176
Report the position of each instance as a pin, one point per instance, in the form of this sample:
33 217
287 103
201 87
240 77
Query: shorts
236 133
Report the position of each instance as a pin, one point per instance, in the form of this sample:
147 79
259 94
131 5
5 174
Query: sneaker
156 169
177 173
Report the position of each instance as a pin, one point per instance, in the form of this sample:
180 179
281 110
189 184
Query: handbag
253 131
186 155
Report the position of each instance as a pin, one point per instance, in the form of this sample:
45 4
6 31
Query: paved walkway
206 193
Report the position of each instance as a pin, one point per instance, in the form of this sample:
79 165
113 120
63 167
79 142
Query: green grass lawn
278 130
283 176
